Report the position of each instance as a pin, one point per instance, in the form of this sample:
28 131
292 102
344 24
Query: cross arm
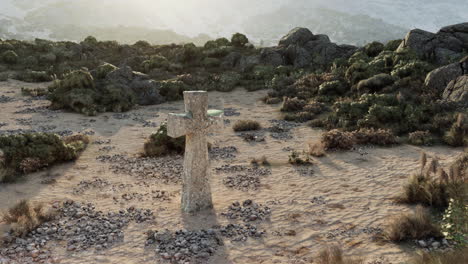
177 124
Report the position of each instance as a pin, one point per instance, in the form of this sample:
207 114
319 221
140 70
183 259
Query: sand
344 198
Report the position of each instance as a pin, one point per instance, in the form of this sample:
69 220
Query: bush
335 139
79 93
393 45
104 69
239 40
448 257
416 225
30 152
34 92
292 104
332 87
317 149
34 76
455 220
24 217
156 61
421 138
375 83
412 68
373 49
246 125
297 158
334 255
457 136
374 136
160 144
9 57
224 82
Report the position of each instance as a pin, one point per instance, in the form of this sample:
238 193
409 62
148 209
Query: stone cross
195 124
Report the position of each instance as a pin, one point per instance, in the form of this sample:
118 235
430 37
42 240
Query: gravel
79 225
167 169
217 153
249 211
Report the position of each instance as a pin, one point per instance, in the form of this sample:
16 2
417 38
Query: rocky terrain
319 139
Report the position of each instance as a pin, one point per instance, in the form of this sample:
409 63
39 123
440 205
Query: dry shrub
25 217
433 186
29 165
374 136
420 138
293 104
246 125
449 257
334 255
317 149
336 139
416 225
262 161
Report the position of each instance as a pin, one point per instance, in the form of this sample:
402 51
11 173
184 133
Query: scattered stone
223 153
184 246
242 182
236 232
6 99
231 112
249 211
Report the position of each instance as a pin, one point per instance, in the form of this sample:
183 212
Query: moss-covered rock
27 153
160 144
239 40
9 57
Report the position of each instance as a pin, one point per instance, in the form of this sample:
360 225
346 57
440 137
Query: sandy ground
343 198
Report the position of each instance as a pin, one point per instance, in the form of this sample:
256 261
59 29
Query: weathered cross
195 124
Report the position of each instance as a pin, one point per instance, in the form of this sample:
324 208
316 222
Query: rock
231 60
442 47
247 63
457 91
439 78
297 36
422 243
298 56
435 244
464 65
271 56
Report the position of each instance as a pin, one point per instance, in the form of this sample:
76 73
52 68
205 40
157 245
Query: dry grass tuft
25 217
246 125
336 139
449 257
262 161
334 255
317 149
417 225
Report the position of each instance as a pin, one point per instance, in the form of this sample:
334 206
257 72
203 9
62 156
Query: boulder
298 56
439 78
441 47
271 56
297 36
247 63
231 60
457 91
464 65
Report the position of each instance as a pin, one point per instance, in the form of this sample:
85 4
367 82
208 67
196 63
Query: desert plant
160 144
292 104
455 220
298 158
335 139
334 255
239 40
448 257
9 57
246 125
34 91
374 136
409 226
30 152
25 217
457 136
317 149
420 138
261 161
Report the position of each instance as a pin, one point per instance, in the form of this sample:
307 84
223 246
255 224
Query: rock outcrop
301 48
457 91
439 78
441 47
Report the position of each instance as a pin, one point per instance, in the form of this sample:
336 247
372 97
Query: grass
432 186
449 257
334 255
317 149
416 225
25 217
246 125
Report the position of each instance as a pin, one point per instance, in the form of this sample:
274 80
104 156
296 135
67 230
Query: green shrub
211 62
421 138
104 69
160 144
9 57
413 68
417 225
455 220
156 61
457 136
239 40
373 49
224 82
333 87
190 52
293 104
246 125
375 83
90 40
34 76
393 45
34 92
30 152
